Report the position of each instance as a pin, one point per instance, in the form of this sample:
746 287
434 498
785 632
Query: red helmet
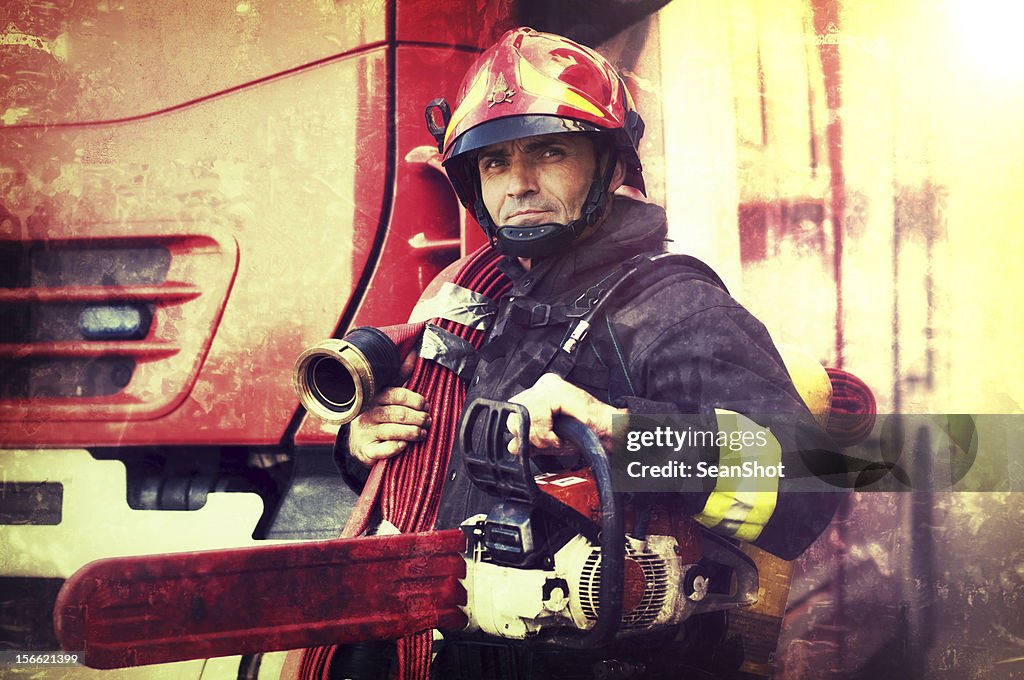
533 83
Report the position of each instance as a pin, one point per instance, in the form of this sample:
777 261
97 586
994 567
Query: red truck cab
190 195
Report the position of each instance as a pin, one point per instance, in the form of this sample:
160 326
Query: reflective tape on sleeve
446 349
457 304
740 507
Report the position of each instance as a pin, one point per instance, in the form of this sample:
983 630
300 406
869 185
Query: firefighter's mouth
527 218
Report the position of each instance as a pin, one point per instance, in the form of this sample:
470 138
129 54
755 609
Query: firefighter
542 140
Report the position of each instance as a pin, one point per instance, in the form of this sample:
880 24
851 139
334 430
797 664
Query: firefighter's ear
618 176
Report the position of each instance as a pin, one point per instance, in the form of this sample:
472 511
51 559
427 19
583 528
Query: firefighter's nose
522 180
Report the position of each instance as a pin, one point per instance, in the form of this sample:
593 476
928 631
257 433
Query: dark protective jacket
671 343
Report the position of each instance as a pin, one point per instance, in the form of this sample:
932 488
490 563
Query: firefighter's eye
492 163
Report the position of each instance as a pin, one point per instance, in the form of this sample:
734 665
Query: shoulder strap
594 301
689 266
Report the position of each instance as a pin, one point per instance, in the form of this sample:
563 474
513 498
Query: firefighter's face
536 180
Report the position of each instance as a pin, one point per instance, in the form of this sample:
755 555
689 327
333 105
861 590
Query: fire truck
192 193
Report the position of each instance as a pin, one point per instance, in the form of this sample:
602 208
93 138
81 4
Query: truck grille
82 320
48 347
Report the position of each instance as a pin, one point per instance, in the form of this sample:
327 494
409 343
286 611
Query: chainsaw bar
135 611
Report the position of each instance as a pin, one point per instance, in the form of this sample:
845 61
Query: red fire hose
408 487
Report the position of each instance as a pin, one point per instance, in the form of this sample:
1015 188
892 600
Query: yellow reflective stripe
540 85
740 514
762 507
474 97
741 506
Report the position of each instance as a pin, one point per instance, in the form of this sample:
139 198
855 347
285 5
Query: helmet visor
514 127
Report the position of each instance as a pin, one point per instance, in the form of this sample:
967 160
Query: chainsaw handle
483 440
612 536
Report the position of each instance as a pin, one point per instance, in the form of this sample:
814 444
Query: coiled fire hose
853 410
407 487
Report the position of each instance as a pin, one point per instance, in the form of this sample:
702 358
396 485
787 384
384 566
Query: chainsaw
560 560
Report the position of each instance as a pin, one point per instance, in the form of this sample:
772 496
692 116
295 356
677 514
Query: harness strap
562 359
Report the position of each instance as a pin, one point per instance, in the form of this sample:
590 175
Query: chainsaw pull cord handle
612 537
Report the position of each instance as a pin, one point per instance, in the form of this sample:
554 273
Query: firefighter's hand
396 417
552 396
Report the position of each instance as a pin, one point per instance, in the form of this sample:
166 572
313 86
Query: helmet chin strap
550 238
